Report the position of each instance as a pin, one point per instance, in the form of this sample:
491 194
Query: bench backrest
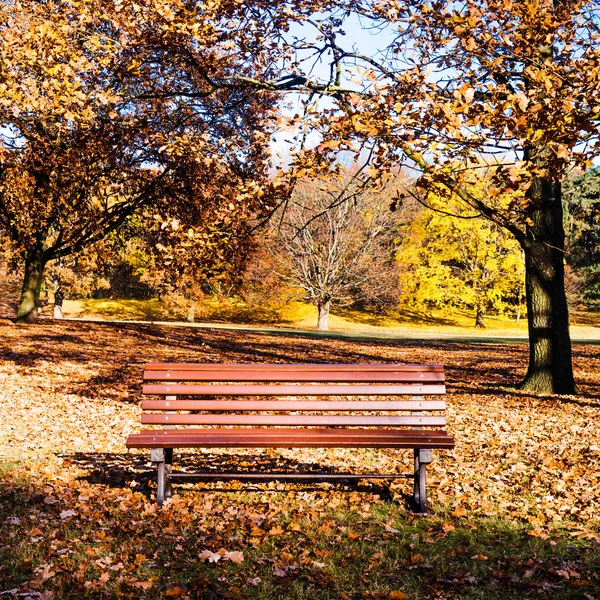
380 395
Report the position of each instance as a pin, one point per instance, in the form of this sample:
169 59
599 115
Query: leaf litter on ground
514 507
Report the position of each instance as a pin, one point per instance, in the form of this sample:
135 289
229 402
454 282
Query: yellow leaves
134 66
276 530
139 560
256 531
459 512
362 124
538 533
294 526
471 45
398 595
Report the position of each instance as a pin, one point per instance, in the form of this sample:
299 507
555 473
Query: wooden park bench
293 406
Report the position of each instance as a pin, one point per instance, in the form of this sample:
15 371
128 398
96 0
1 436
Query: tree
515 85
88 136
472 263
581 201
338 246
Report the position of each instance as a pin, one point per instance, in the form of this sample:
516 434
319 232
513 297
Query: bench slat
291 390
294 367
294 405
289 438
229 419
304 376
302 432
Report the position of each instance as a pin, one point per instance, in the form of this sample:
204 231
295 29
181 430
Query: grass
299 315
296 547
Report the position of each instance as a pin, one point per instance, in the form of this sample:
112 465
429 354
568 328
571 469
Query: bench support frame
162 458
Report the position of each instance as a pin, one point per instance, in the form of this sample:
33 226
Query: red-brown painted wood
299 420
263 375
294 405
293 367
290 390
280 438
374 432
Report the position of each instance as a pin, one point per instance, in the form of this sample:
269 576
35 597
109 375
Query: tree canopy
91 131
452 86
515 86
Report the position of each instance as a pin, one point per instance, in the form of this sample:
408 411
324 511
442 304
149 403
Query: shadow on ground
72 543
135 470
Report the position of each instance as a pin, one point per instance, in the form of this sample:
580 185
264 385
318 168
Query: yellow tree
461 262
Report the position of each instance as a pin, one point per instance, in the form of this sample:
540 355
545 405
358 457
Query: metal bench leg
157 456
168 471
422 459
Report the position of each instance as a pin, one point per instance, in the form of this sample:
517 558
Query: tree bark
550 365
323 307
32 286
191 314
58 305
479 324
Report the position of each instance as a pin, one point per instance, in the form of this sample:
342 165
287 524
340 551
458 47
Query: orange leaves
522 100
519 459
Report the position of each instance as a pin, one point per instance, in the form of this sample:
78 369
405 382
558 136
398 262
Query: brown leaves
519 460
221 555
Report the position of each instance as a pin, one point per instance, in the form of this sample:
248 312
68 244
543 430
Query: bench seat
290 438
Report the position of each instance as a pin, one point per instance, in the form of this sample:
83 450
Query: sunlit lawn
300 315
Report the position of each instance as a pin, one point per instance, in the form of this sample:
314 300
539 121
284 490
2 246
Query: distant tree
337 244
469 263
581 201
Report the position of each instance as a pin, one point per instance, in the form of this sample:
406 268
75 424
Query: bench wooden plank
295 405
308 420
293 367
300 376
373 432
261 438
290 390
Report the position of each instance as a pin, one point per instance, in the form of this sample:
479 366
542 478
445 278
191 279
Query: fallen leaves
222 554
85 514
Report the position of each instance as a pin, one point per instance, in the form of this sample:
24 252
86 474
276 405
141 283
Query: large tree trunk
550 366
32 286
323 320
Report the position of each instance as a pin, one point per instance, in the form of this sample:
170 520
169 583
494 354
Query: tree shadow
405 316
119 352
590 319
